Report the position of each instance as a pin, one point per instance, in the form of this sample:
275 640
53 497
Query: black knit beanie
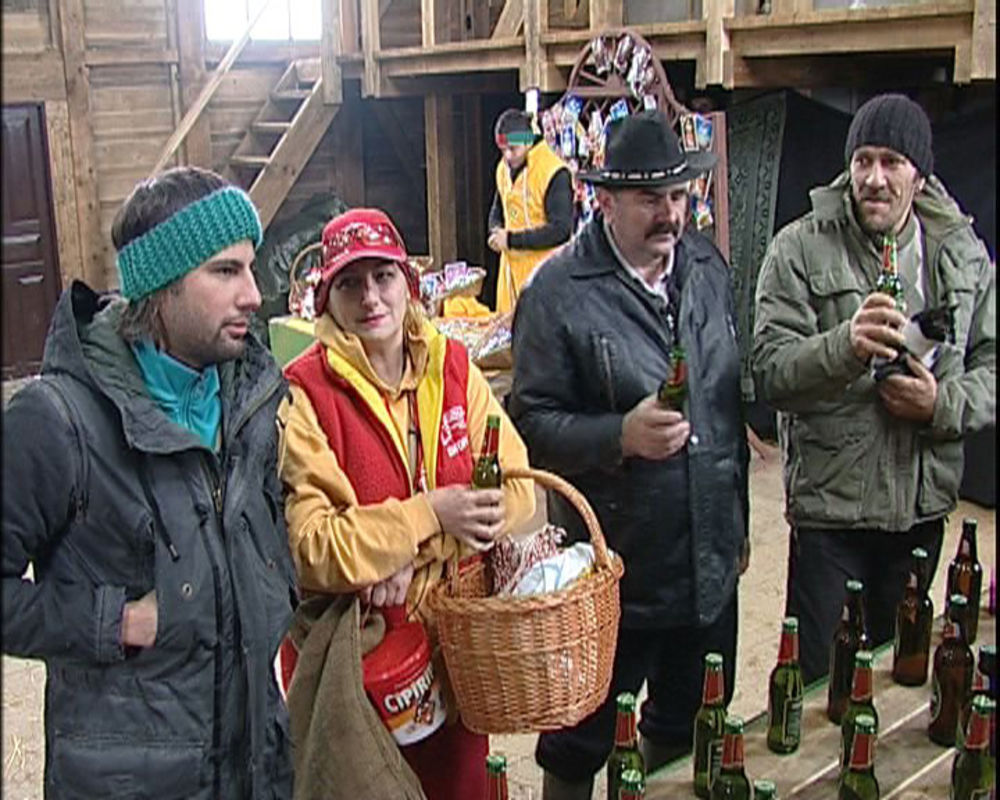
896 122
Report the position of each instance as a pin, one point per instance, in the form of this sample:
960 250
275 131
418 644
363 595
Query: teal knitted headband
186 240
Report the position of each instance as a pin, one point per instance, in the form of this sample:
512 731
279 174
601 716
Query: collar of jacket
84 342
595 256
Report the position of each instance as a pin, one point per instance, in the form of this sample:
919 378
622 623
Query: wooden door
31 282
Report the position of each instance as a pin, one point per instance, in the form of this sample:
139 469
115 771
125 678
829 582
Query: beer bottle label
935 698
791 724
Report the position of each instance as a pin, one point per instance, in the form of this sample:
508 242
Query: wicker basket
533 663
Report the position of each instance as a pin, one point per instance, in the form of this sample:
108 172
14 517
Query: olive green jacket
848 463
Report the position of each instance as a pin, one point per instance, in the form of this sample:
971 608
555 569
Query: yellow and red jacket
353 517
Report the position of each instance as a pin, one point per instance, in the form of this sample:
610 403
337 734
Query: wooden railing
198 106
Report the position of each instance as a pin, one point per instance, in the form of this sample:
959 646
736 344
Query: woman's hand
473 515
391 591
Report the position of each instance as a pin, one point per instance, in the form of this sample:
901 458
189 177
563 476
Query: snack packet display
558 571
512 557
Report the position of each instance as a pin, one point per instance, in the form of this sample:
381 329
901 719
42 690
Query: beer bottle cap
919 553
734 724
625 701
713 659
496 763
790 623
493 421
865 723
863 658
764 788
854 585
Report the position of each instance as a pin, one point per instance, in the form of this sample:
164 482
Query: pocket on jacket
940 475
606 355
829 462
836 289
89 767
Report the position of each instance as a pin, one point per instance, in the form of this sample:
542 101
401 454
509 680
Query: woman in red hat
378 454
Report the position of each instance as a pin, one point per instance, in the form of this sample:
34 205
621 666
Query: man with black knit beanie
141 485
872 464
532 211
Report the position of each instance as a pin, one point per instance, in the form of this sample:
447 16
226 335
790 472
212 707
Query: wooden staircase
282 137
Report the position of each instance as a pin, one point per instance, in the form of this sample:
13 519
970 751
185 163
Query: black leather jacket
590 343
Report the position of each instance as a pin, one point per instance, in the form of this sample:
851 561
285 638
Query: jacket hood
84 342
938 211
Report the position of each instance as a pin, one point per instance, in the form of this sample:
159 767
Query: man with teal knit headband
140 477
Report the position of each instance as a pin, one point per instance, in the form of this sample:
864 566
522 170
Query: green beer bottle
858 782
633 786
732 783
973 772
784 695
673 390
764 790
486 474
709 726
951 680
849 637
911 648
980 686
861 704
625 755
965 577
888 281
496 777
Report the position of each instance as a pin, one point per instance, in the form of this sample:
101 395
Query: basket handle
576 499
293 279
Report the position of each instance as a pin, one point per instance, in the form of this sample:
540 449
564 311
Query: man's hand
909 397
391 591
139 620
497 240
876 328
473 515
651 431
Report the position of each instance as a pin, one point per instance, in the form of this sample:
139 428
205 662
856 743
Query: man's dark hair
513 121
151 202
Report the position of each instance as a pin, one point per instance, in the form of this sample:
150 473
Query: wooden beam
984 41
531 75
63 191
408 157
193 75
472 188
118 56
510 21
333 84
429 23
607 14
347 146
371 44
442 239
93 250
350 36
717 42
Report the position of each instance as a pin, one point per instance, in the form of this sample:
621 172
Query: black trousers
672 661
820 561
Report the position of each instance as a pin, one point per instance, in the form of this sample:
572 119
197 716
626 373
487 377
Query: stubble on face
883 187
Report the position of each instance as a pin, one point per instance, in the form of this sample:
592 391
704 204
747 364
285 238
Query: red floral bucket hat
356 234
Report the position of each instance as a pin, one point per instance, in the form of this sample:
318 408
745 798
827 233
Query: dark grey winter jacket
590 343
108 499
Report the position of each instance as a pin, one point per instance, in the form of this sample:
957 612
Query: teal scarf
188 397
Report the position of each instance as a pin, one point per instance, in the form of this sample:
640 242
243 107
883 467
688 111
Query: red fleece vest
363 446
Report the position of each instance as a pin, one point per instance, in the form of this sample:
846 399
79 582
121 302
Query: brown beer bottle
784 707
709 726
973 772
486 474
952 676
849 637
732 782
965 577
625 755
496 777
981 684
858 781
911 647
861 703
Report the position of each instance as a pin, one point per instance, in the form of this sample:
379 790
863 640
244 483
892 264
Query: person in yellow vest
532 212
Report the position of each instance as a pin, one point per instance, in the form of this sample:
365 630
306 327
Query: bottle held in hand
486 474
673 390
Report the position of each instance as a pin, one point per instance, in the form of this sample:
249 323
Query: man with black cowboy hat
871 466
593 336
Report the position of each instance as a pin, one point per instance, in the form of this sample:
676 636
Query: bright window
282 21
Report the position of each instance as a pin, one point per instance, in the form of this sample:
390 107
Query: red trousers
451 764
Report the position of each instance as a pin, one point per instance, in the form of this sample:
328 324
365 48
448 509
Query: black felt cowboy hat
642 151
